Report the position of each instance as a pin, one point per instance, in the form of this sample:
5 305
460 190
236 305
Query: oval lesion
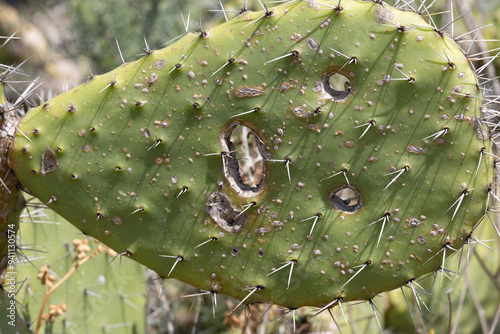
244 156
346 198
338 85
48 162
219 208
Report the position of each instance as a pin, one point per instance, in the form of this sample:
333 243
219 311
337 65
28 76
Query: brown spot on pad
248 91
48 162
415 149
219 207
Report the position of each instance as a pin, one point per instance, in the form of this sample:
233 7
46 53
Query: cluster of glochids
313 153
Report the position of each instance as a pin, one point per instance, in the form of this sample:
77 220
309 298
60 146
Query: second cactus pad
306 154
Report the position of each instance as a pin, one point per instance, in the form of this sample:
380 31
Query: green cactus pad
338 144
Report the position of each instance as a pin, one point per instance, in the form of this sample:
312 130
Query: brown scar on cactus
220 209
48 162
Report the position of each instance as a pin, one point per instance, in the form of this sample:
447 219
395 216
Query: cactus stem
207 241
361 267
458 202
384 219
295 54
287 263
177 258
400 171
368 126
254 289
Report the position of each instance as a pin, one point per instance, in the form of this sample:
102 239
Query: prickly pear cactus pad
307 154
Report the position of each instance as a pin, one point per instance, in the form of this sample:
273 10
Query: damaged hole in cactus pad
338 86
219 207
346 198
244 159
48 162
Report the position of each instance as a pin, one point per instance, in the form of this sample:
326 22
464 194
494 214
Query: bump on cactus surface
292 155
